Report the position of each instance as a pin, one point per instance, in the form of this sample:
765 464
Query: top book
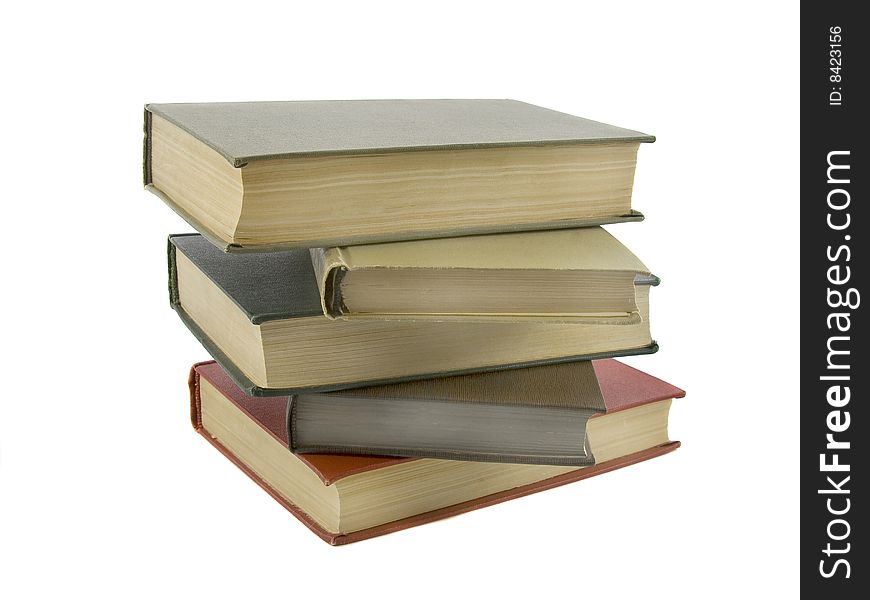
272 175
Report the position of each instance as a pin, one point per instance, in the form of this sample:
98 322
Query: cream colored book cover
562 275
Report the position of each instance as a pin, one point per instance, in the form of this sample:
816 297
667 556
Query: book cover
243 132
536 415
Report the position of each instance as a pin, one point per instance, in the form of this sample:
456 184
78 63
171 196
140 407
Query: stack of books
411 305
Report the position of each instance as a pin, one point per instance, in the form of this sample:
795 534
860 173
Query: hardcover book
346 498
267 175
260 316
582 275
536 415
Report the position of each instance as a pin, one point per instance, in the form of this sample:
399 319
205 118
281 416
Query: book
582 275
274 175
346 498
260 316
535 415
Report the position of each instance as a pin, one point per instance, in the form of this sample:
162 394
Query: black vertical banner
835 345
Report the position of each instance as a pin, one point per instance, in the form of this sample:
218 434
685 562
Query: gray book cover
247 131
534 415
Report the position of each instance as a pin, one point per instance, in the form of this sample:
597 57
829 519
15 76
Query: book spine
195 401
146 149
330 268
173 273
290 418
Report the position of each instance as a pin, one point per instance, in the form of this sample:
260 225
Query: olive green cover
246 131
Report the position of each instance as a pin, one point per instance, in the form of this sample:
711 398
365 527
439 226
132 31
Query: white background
105 491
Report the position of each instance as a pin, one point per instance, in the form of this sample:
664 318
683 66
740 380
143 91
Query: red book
345 498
